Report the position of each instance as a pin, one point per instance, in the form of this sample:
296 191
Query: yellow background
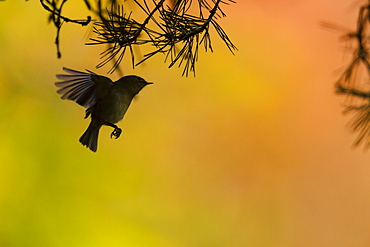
253 151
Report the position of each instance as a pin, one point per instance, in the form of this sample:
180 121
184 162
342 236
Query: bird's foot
87 112
116 133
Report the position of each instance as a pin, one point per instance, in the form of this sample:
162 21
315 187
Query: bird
106 101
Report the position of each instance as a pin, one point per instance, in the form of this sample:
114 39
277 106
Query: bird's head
132 83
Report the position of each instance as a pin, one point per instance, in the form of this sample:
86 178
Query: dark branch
66 19
358 100
351 91
175 27
58 19
169 30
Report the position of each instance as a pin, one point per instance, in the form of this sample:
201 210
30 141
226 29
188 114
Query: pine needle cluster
354 82
170 28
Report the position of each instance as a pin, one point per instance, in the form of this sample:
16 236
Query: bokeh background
253 151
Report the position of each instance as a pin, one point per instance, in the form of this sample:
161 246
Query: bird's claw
87 112
116 133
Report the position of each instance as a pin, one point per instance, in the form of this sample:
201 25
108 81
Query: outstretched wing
80 87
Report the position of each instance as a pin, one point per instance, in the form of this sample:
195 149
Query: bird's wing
80 87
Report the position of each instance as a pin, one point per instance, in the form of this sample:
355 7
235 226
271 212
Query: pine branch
58 19
168 30
348 83
175 27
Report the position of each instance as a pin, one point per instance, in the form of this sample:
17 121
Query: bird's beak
149 83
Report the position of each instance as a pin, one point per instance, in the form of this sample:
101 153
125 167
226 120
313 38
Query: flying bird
106 101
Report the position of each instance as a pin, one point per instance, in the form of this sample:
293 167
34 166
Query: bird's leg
87 112
116 132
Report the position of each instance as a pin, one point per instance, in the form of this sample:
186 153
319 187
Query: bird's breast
113 106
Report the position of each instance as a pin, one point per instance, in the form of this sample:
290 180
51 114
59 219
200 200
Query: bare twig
58 19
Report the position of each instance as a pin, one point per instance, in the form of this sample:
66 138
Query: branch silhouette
170 28
354 82
57 18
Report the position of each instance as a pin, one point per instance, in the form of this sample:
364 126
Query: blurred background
253 151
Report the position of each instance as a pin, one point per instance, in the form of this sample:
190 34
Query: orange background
253 151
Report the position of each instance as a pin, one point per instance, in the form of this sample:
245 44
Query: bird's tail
90 137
